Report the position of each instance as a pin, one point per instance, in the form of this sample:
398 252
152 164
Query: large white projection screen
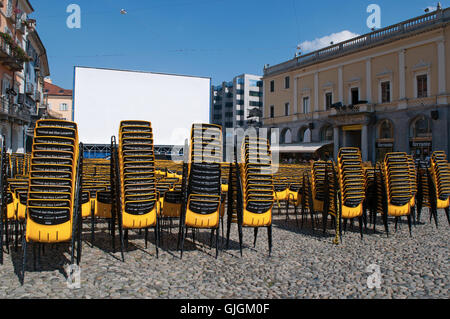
172 103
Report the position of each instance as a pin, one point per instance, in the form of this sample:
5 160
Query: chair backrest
52 181
351 176
256 175
137 174
441 174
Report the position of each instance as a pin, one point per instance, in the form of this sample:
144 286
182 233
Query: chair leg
146 237
255 236
360 219
385 221
93 227
211 236
365 219
396 223
448 214
240 237
324 222
434 213
409 225
182 241
374 221
16 234
156 238
269 237
217 242
24 259
296 216
7 234
228 231
287 210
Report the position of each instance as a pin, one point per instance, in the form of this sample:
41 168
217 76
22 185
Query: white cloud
319 43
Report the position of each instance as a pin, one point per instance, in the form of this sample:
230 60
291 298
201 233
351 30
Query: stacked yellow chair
139 202
256 190
351 184
52 196
295 196
398 187
202 182
319 187
437 189
413 181
330 194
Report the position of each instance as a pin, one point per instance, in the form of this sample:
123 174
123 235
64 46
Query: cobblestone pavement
304 264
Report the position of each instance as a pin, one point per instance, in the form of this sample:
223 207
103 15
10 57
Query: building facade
58 101
237 103
384 91
23 65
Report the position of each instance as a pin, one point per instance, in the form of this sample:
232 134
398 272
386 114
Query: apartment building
23 65
58 101
237 103
384 91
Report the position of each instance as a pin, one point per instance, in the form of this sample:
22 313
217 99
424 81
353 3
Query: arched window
301 134
326 134
421 127
385 130
286 136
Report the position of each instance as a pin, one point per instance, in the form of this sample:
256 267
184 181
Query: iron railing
362 41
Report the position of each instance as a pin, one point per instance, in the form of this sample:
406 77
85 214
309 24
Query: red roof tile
52 89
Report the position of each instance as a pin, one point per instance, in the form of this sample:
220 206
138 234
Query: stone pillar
369 81
316 92
295 95
442 86
336 141
364 143
402 79
341 85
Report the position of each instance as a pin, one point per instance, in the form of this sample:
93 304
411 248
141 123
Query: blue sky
214 38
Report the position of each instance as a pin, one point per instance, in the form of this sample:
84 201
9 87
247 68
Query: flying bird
123 11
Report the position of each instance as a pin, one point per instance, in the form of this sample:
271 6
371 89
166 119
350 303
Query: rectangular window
272 86
422 89
355 95
306 105
255 93
286 109
286 82
253 83
255 103
272 111
239 112
63 107
385 92
328 100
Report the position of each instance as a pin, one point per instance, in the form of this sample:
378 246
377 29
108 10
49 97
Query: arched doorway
385 139
420 133
286 136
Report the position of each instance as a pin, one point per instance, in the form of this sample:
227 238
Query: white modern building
237 103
